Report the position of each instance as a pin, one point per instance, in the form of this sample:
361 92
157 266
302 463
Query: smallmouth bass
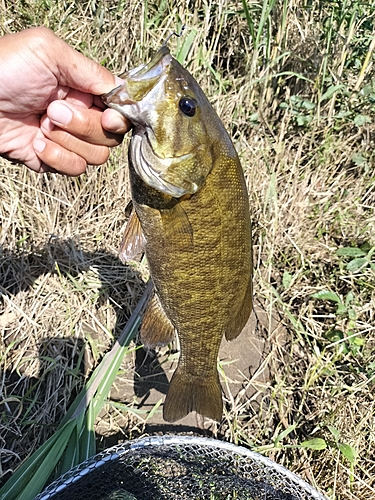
192 211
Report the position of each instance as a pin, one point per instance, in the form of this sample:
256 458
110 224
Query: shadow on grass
40 377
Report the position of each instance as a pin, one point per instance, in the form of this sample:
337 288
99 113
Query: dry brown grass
65 295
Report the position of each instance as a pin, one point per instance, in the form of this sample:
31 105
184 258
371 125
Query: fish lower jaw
117 98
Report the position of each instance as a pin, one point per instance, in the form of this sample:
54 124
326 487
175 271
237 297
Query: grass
294 84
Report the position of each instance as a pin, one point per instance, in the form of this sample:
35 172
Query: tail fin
192 393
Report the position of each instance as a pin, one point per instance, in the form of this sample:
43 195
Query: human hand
51 115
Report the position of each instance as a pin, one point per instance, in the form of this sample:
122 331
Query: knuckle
63 161
42 35
84 123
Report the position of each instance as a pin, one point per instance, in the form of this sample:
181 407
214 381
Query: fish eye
188 106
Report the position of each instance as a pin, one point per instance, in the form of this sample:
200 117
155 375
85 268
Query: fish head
175 126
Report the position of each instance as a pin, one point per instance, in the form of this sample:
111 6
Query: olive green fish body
197 238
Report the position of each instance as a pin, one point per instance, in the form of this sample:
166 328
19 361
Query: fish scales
189 193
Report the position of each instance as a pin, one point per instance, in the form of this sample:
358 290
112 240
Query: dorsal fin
235 327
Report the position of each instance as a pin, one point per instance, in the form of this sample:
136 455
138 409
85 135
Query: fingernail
46 124
59 113
117 122
114 121
39 145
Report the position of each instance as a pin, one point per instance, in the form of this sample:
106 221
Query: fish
192 217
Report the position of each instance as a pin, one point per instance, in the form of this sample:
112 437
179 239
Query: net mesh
179 467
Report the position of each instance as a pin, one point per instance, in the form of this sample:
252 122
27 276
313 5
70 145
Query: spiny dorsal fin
133 241
156 329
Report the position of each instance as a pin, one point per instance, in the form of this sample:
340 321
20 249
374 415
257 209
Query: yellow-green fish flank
190 196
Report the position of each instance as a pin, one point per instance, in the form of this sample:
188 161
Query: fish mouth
155 178
138 82
153 69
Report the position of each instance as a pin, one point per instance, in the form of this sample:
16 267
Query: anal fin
156 329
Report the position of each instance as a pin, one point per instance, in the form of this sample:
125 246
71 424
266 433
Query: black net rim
151 443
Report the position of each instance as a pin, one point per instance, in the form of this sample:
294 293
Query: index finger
84 123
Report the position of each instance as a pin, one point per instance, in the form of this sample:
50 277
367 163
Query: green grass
294 84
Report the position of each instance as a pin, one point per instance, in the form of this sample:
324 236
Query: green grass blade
154 409
265 19
71 455
249 20
31 476
314 444
87 446
186 46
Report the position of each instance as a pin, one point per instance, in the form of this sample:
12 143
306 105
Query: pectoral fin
156 329
177 227
235 327
133 241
